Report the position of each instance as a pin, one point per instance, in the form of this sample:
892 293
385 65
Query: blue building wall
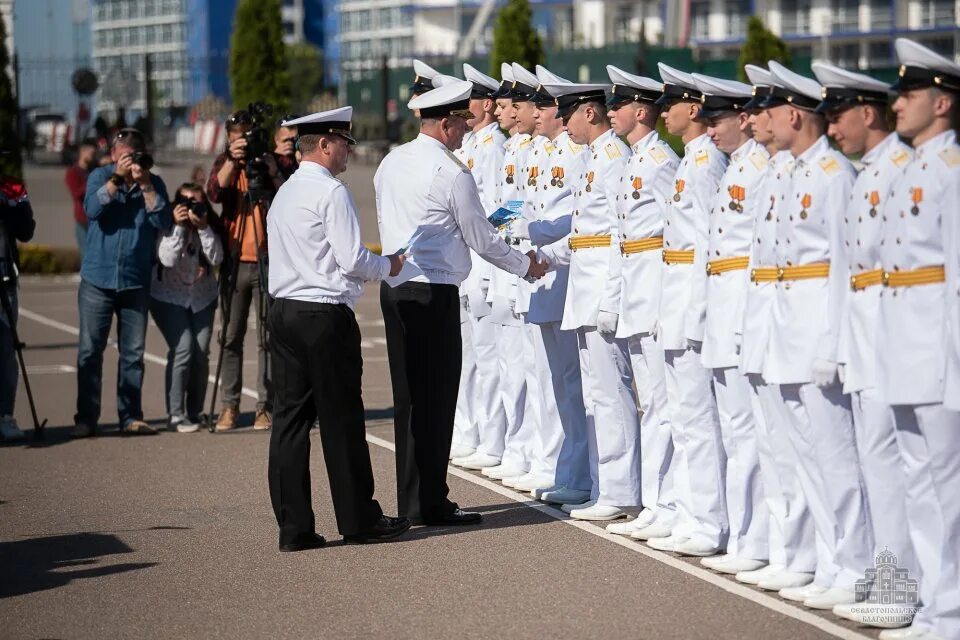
210 23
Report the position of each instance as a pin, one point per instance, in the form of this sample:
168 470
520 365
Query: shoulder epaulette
829 165
950 156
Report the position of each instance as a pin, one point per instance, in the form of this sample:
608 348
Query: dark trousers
422 323
248 291
316 352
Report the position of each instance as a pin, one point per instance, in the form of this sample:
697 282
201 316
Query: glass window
938 13
881 15
846 15
881 54
700 19
166 33
846 55
795 16
363 20
737 15
943 46
149 8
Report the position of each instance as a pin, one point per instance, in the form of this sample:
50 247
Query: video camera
259 183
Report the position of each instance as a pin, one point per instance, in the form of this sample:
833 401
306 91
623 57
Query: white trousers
613 425
562 415
515 353
493 426
821 432
700 495
656 443
466 430
929 440
747 512
884 477
791 540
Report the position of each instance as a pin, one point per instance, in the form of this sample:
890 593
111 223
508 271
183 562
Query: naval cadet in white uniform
728 278
427 202
317 269
856 107
701 525
916 319
613 423
804 340
640 201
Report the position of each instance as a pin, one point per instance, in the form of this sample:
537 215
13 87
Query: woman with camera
184 300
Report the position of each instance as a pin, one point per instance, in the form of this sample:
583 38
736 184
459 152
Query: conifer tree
258 57
762 45
515 39
10 162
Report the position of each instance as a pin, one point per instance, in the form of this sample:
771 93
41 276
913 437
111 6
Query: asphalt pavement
172 536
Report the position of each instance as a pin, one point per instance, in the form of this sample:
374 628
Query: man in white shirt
317 269
427 202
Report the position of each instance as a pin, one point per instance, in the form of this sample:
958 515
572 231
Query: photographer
126 206
183 302
228 185
16 224
285 151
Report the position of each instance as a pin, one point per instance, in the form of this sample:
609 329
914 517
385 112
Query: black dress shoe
303 543
454 518
385 528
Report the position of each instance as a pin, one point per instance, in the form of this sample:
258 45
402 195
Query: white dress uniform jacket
951 397
918 214
640 202
732 222
593 215
808 313
440 210
511 194
863 226
316 254
758 309
687 227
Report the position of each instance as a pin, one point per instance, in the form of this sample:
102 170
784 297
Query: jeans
97 308
188 348
247 288
9 372
80 233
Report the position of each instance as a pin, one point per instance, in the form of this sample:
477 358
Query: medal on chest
679 186
637 185
805 204
589 180
737 195
532 178
916 195
556 177
874 200
510 171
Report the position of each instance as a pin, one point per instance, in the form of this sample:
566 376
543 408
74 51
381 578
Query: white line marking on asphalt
49 369
707 576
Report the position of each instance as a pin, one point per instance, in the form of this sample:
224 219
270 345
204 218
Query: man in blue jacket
126 206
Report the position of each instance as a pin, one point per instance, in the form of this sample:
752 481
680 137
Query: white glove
824 373
519 228
842 373
607 322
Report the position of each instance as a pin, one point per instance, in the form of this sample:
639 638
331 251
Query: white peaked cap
759 77
669 75
477 77
442 79
711 86
449 99
830 75
506 72
424 70
619 76
343 114
913 54
545 76
787 79
523 76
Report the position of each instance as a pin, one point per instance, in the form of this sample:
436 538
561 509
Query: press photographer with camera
285 149
126 206
243 181
184 300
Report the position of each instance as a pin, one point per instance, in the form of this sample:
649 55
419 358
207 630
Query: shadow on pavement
40 564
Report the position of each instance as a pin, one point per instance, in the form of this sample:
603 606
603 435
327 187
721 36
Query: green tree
11 163
305 62
258 56
514 38
762 45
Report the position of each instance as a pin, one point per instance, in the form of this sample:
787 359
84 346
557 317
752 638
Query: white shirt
863 227
426 195
642 192
683 299
315 250
180 278
731 235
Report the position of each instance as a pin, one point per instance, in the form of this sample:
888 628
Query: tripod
252 205
18 346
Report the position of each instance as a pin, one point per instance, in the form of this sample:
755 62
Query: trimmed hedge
40 258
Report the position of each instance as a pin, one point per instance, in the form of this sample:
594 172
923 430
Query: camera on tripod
259 182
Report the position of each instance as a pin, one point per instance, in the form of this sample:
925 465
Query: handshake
537 269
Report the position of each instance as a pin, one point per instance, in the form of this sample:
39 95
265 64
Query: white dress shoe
598 512
801 594
477 461
502 471
786 580
829 598
880 616
645 518
565 495
758 575
623 528
567 508
512 481
532 481
461 451
710 561
667 544
655 530
909 633
733 565
693 548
